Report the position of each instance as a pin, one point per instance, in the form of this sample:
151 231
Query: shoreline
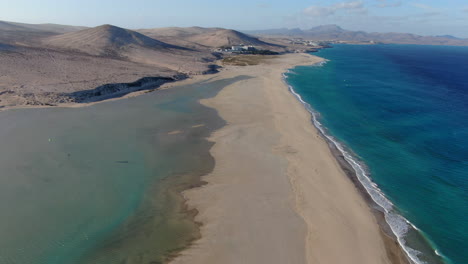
136 91
157 225
151 222
395 249
390 239
203 250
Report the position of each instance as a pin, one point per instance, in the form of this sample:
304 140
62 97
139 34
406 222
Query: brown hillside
205 37
104 40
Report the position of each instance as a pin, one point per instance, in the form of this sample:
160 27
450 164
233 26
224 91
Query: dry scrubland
247 60
48 64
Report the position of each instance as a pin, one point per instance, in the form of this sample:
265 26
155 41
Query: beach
202 144
277 194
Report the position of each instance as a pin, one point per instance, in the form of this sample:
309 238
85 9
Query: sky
424 17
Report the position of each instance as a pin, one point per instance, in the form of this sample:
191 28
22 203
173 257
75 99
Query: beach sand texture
277 194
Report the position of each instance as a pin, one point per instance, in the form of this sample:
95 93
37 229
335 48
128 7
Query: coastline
140 214
137 90
326 229
297 208
394 248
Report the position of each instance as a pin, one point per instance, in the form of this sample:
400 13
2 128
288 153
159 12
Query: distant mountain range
110 38
336 33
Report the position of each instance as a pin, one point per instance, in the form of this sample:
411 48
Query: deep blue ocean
401 113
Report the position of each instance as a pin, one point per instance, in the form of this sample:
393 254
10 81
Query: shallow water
101 184
401 111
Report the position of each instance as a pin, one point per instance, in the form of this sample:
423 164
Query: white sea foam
398 224
321 63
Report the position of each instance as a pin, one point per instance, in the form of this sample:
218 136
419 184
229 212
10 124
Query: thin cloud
429 14
429 11
323 11
348 5
385 3
423 6
263 5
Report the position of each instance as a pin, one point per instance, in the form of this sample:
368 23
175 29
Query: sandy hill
124 44
53 28
205 37
9 26
178 36
105 40
226 37
181 32
17 34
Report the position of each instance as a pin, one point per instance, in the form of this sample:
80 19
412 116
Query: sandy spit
277 194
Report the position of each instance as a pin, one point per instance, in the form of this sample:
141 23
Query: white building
237 48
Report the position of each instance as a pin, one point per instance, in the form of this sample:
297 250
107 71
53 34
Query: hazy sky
427 17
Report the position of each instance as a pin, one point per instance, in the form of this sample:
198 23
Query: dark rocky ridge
100 93
114 90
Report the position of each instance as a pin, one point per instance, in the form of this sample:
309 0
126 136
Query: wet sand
277 193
